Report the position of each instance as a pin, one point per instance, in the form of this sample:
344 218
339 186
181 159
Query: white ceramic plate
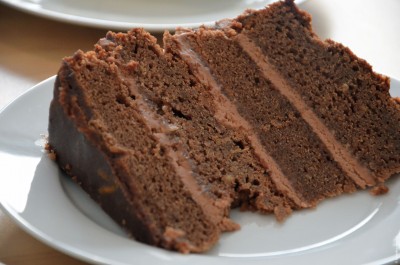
350 229
153 15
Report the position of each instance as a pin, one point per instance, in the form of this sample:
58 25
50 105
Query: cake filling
361 175
161 129
218 154
145 169
227 114
272 120
339 87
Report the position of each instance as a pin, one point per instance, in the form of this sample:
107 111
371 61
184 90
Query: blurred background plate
153 15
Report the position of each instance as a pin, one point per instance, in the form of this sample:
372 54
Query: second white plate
153 15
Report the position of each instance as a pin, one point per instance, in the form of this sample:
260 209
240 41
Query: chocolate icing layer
227 114
360 174
160 129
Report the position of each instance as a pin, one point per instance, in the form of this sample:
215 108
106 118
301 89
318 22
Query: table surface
31 49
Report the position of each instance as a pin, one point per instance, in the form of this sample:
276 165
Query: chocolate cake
256 112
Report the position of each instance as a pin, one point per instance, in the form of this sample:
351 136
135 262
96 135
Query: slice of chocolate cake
350 104
309 102
256 113
283 140
120 154
165 150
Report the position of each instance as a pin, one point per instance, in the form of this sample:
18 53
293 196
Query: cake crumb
379 190
47 147
52 155
282 212
107 189
173 233
228 225
176 238
50 152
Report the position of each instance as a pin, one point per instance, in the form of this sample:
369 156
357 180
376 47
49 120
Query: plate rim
33 9
74 251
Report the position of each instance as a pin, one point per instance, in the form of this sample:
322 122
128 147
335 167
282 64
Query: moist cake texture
256 112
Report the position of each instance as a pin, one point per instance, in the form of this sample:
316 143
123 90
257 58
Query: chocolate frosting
361 175
227 114
161 128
